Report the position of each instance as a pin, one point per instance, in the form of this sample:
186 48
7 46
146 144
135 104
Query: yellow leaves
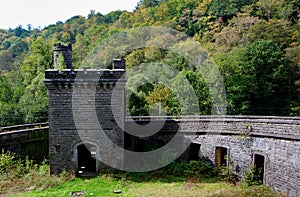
292 53
135 58
203 6
144 17
160 95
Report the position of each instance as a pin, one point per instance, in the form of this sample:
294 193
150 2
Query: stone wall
31 142
275 138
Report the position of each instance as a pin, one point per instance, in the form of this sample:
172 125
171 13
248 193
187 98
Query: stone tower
86 116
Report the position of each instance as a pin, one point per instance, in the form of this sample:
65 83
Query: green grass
97 186
195 178
105 185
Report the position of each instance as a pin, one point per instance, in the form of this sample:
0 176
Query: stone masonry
277 139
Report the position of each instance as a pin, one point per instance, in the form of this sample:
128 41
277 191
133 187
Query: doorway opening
259 168
86 160
221 157
194 151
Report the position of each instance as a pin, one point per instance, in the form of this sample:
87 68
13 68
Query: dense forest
254 43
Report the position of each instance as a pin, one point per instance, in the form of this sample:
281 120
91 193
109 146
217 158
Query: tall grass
18 175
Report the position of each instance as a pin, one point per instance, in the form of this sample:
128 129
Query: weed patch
18 175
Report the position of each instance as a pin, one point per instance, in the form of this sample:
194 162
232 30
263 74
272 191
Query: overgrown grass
195 178
18 175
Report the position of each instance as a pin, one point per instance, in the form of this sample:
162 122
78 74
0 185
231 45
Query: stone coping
83 74
216 118
24 127
268 121
23 130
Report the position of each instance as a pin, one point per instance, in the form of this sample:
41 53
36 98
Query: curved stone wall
275 139
26 140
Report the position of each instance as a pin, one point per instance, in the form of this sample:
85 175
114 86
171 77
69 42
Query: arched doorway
86 159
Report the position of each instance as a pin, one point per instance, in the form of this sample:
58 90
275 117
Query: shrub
252 176
227 174
6 161
13 167
18 175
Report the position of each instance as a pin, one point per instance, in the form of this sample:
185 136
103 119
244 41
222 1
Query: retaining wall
27 141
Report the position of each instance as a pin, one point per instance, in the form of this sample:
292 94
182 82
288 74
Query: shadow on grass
196 171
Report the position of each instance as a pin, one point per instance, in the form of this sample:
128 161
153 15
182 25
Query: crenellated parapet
68 76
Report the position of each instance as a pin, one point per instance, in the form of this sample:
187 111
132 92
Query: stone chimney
66 52
119 63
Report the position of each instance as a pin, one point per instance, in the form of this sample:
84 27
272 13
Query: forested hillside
255 44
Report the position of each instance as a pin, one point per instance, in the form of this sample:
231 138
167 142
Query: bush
13 167
7 161
227 174
252 176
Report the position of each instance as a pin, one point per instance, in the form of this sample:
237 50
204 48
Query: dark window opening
259 168
221 156
86 159
194 151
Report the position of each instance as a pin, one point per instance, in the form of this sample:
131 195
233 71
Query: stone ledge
68 75
228 133
222 119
